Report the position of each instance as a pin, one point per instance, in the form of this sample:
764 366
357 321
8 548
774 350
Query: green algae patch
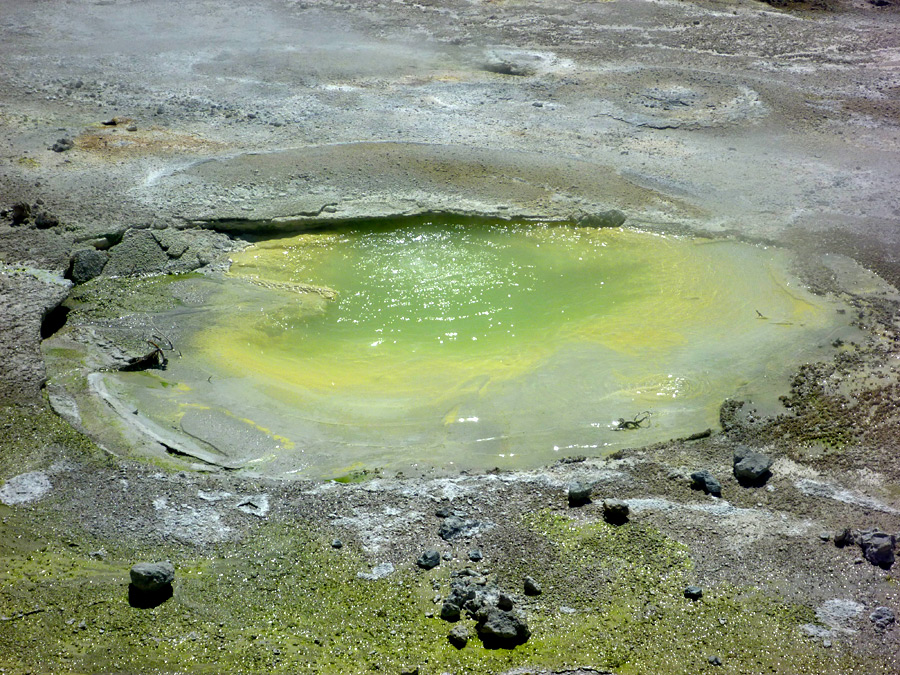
284 601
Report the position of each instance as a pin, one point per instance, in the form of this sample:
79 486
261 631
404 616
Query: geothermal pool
467 344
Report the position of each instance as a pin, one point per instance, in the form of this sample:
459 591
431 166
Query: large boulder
137 253
152 577
877 547
751 468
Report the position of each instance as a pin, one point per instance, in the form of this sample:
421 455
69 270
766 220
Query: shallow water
464 344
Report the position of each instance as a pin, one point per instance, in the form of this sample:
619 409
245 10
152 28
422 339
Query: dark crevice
53 321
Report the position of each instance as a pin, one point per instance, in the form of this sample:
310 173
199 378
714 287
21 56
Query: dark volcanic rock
87 264
844 538
151 584
459 636
475 555
704 480
615 511
878 547
751 468
693 592
44 220
450 611
429 559
20 213
501 629
454 527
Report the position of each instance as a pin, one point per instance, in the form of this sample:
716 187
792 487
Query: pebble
693 592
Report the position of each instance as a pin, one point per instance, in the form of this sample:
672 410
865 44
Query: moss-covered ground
285 601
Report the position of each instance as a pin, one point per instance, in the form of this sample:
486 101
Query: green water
465 344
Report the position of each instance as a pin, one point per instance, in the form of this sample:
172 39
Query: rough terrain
146 137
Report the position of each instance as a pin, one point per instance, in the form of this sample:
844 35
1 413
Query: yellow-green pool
461 343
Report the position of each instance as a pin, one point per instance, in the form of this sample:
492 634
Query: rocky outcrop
167 251
611 218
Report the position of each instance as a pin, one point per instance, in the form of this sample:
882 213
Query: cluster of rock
498 623
751 469
23 213
877 547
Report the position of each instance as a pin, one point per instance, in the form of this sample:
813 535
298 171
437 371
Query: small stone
409 671
844 538
615 511
532 587
882 617
475 555
337 543
447 556
693 592
505 602
20 213
579 493
152 577
131 127
704 480
459 636
714 661
443 512
824 536
429 559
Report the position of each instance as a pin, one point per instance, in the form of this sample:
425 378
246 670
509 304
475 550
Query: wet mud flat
767 125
